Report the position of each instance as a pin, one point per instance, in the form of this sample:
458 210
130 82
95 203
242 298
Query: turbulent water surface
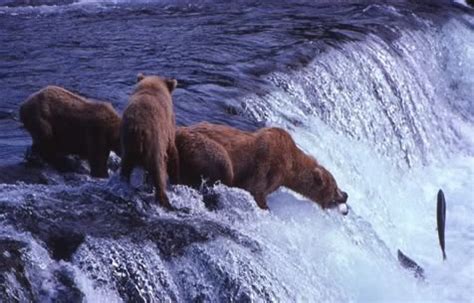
380 92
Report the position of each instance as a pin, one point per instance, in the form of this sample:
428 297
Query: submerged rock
26 277
14 283
33 170
120 240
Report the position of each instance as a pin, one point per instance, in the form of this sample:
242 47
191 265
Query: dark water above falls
380 93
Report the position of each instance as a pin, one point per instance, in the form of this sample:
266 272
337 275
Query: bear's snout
344 197
340 197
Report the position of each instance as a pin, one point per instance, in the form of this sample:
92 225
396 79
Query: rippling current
380 92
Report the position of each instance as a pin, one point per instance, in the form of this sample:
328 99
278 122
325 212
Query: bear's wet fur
202 160
259 162
63 123
148 134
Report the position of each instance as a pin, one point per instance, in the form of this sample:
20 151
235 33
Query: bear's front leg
98 163
261 200
173 164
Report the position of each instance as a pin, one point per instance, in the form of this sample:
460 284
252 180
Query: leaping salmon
441 220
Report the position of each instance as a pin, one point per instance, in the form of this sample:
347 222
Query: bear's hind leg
158 174
48 152
43 143
126 167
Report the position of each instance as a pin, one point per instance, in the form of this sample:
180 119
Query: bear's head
326 192
156 82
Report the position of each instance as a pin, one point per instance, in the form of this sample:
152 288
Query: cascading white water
393 96
365 112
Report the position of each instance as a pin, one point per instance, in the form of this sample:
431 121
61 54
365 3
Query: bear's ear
318 177
140 77
171 84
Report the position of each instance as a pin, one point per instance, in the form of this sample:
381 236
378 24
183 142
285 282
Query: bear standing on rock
259 162
61 123
148 134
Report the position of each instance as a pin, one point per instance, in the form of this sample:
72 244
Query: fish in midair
441 220
408 263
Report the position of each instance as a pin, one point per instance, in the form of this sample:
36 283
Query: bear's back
277 139
58 103
229 137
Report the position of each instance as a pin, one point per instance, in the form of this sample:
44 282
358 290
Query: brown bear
148 134
259 162
202 159
61 123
